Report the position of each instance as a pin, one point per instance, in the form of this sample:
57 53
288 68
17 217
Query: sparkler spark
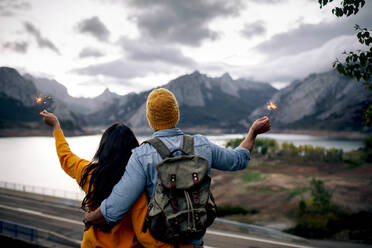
39 99
271 106
43 101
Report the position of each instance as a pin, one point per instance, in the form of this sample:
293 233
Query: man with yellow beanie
162 113
162 110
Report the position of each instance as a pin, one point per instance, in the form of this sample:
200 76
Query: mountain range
19 112
80 105
206 103
324 101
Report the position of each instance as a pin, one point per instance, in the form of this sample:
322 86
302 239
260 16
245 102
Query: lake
33 160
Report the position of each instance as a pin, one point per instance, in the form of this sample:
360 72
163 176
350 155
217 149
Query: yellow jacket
129 229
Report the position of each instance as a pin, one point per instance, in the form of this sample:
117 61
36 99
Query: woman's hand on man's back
50 119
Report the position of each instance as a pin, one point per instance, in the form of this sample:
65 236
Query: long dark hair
108 164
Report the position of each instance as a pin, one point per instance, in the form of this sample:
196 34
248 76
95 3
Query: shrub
261 146
270 148
319 219
334 155
355 158
368 149
289 150
296 191
349 226
360 156
313 226
368 143
302 206
233 143
322 197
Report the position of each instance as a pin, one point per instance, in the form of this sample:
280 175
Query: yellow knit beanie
162 109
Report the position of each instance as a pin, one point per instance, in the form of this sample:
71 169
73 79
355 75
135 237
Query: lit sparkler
43 101
270 108
39 100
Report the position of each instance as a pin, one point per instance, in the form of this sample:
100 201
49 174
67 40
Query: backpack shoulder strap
159 146
188 144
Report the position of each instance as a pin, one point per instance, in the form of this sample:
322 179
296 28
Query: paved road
66 221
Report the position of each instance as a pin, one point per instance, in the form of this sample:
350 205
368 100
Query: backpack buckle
195 178
173 181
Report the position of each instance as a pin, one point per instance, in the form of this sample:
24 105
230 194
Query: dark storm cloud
90 52
254 29
94 27
9 7
144 51
184 22
40 40
310 36
19 47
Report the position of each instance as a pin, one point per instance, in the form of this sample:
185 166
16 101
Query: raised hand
50 119
261 125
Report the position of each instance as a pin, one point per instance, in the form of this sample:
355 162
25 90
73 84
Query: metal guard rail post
18 230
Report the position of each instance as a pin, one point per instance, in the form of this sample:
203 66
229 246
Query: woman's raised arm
70 163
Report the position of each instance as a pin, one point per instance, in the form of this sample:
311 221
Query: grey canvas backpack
183 206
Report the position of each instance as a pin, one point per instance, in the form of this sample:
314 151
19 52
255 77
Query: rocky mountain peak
49 87
195 73
226 77
106 91
320 101
15 86
107 95
8 70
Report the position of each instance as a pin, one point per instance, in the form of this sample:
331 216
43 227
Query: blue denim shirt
141 174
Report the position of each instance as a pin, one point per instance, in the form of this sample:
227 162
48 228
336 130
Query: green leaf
363 59
339 12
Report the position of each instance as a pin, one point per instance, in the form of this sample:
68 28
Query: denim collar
167 133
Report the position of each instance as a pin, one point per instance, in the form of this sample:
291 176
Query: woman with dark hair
98 177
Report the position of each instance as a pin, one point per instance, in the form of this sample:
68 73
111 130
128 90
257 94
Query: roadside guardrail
18 231
43 190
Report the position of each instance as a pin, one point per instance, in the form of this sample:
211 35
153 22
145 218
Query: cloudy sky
133 45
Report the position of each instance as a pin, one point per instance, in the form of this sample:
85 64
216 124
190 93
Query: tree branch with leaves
357 64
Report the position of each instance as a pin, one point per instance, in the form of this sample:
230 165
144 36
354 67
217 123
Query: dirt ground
275 188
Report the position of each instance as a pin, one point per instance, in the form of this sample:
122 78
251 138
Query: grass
296 191
251 177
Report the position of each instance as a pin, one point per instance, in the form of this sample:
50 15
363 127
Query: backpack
183 206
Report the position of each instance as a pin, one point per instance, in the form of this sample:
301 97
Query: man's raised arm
123 196
237 159
260 126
